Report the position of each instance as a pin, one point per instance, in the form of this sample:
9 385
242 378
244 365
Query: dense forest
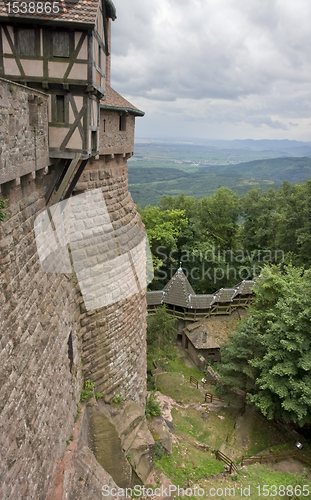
222 239
225 238
269 355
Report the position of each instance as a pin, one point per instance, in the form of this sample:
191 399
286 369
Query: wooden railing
221 456
209 398
274 457
194 315
194 381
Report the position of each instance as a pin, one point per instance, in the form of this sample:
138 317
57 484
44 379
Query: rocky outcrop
135 438
162 433
78 475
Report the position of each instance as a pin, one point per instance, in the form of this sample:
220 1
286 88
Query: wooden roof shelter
183 302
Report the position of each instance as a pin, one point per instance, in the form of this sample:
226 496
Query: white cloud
217 61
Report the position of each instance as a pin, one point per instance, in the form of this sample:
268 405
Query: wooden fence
274 457
194 381
209 398
221 456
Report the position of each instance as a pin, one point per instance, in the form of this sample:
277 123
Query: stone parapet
23 130
115 136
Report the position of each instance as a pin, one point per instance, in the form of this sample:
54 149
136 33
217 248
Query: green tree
259 211
219 215
160 328
294 222
243 346
273 347
163 228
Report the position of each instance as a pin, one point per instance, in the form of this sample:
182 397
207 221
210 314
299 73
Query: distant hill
276 169
147 184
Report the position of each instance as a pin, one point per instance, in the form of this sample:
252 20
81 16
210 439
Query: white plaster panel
57 69
83 51
56 136
33 68
75 141
78 72
5 44
10 67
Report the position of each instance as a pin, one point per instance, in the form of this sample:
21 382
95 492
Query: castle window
60 44
26 42
99 57
60 109
122 123
94 141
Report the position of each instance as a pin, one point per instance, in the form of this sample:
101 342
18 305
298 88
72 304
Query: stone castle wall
114 337
38 392
48 339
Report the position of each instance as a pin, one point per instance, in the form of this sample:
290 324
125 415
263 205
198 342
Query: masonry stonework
112 139
48 339
114 337
23 131
38 391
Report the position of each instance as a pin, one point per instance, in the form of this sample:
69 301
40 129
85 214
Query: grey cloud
250 56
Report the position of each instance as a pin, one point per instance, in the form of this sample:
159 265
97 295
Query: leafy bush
152 406
158 453
118 399
88 391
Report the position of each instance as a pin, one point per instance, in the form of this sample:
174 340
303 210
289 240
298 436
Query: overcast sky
219 69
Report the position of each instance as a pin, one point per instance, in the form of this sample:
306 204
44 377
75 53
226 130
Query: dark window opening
99 57
122 123
60 44
26 42
94 141
70 351
60 109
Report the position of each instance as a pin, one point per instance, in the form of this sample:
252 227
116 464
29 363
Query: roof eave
48 22
136 112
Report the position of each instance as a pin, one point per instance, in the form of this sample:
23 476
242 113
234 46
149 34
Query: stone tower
63 132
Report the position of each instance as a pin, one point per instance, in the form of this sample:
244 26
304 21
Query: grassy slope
222 428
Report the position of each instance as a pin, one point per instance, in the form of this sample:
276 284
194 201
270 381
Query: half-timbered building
61 48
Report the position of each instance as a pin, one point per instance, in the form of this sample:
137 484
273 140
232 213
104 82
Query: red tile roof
115 101
73 11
